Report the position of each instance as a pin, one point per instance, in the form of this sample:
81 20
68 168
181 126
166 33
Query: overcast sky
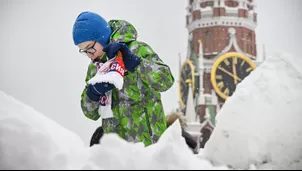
40 66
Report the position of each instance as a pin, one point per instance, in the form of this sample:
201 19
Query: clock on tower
229 70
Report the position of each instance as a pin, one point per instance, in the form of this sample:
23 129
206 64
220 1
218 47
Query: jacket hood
122 31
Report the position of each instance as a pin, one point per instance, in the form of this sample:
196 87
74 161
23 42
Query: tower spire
190 109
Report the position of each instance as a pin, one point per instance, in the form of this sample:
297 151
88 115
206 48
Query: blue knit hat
91 26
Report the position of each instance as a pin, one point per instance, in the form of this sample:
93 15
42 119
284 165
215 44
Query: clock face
186 80
229 70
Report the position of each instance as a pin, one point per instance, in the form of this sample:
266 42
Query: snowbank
30 140
261 123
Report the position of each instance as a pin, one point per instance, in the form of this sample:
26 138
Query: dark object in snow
97 135
171 118
189 139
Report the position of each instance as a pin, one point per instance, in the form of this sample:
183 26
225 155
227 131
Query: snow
260 124
257 128
206 9
30 140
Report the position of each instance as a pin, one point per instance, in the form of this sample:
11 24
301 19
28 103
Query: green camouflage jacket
137 108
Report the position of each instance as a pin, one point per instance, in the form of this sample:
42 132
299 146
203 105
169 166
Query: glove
130 60
94 92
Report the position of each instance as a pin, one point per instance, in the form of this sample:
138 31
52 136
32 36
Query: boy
138 114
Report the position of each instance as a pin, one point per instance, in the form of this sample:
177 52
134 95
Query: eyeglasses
90 50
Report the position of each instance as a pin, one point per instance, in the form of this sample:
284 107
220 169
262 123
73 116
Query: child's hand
130 59
112 49
99 89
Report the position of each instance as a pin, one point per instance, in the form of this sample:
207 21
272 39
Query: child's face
92 49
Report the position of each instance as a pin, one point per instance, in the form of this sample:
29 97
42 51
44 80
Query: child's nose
90 55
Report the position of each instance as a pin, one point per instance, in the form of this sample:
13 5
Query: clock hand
234 71
230 74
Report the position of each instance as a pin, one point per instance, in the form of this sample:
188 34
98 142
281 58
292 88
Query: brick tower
215 28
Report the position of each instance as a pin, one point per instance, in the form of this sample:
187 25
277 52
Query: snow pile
261 123
171 152
30 140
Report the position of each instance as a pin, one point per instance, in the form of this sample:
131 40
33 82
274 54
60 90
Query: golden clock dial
228 71
186 80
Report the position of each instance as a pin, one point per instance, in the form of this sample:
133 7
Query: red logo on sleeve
118 65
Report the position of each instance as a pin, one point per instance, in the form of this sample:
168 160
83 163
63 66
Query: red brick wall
246 40
242 13
216 38
207 85
219 12
196 15
231 3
